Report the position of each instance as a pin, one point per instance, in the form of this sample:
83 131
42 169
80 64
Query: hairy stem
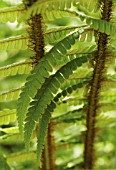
94 90
35 32
48 154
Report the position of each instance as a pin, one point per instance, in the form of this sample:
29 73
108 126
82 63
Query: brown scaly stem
35 32
100 57
48 154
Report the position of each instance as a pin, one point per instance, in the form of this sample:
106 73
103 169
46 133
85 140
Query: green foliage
58 86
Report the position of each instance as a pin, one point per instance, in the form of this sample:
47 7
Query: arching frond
46 94
17 42
42 71
11 13
7 116
16 68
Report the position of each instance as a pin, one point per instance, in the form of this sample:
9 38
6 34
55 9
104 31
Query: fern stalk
48 154
36 40
95 89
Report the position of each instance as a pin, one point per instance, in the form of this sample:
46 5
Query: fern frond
55 14
100 25
17 42
10 95
21 157
70 117
11 13
57 34
89 8
16 68
42 131
46 94
108 84
10 139
9 130
42 71
40 6
7 116
106 107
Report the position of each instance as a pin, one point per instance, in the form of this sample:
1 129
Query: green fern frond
10 95
57 34
16 68
11 13
101 25
108 84
70 117
42 131
89 8
42 71
55 14
106 107
69 88
40 6
46 94
10 139
17 42
7 116
9 130
22 157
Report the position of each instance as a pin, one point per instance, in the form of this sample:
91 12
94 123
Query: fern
70 81
42 71
10 95
18 42
44 96
7 116
11 13
16 68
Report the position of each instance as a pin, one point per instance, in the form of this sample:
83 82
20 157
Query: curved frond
42 71
17 42
16 68
50 88
7 116
11 13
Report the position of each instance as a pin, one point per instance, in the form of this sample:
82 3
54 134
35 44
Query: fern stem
35 31
95 89
48 154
